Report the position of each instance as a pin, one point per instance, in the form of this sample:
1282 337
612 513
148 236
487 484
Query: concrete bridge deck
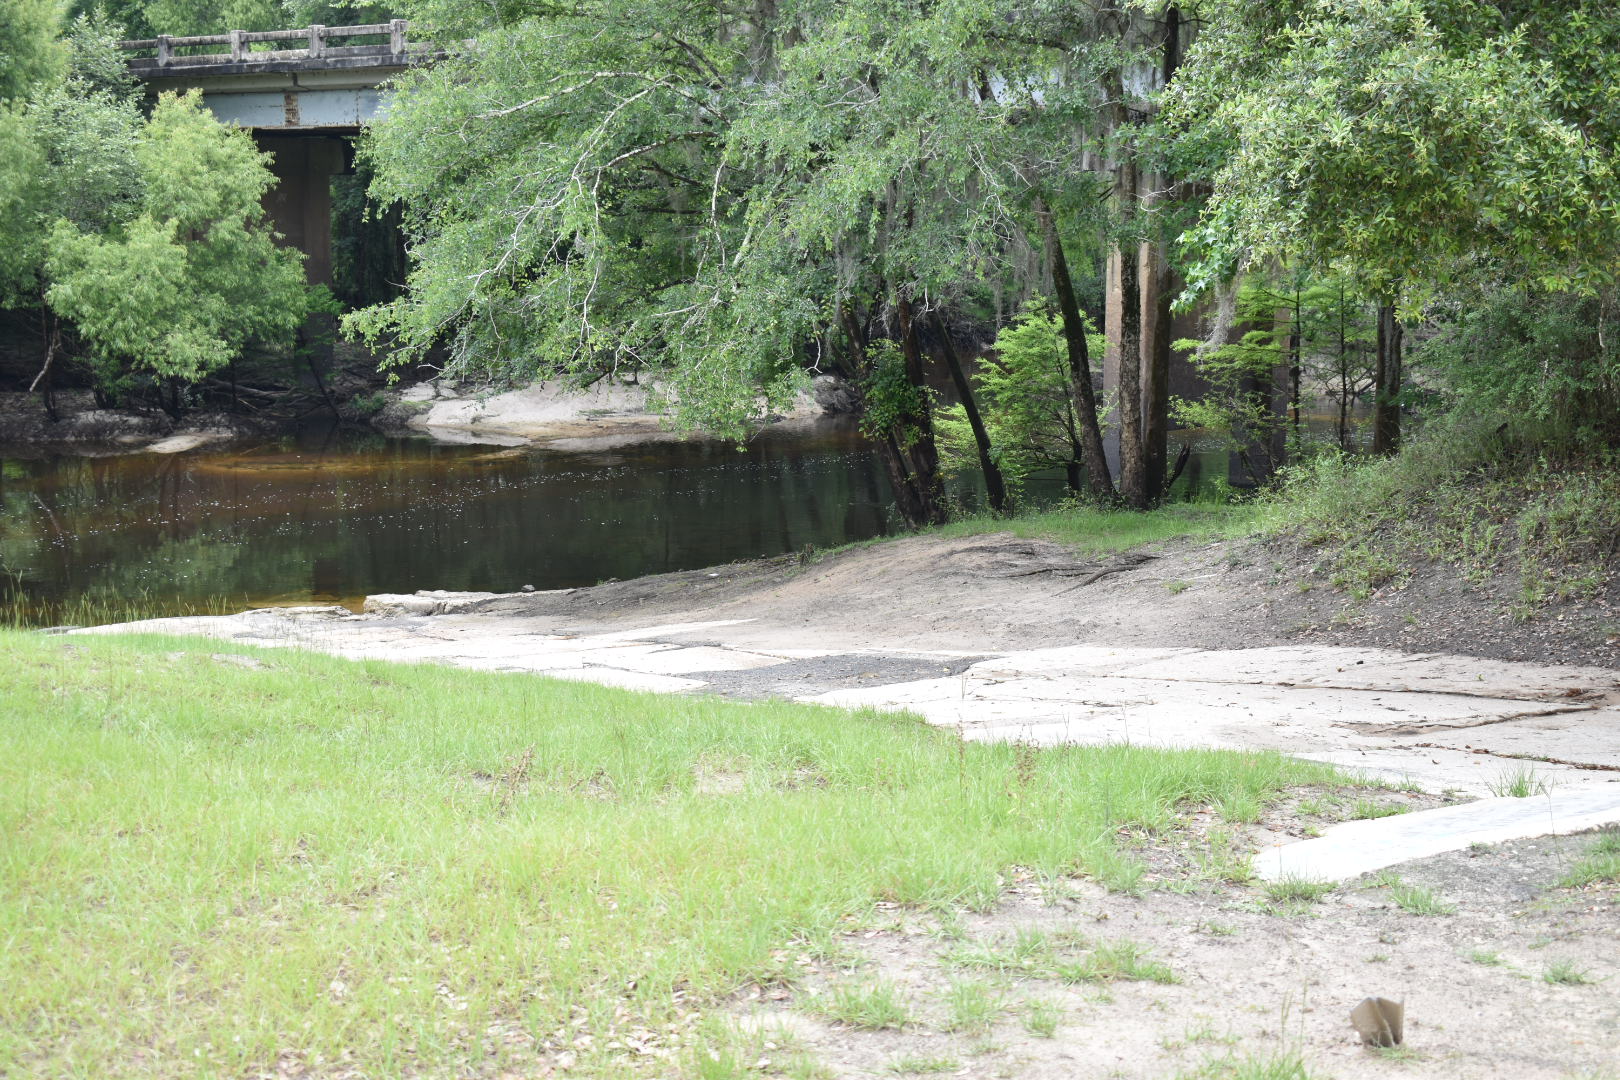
302 93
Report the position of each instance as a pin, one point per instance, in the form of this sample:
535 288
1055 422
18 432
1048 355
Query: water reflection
332 519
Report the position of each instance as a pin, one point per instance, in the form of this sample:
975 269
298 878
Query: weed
1601 863
1239 809
1518 783
875 1006
1364 809
918 1065
1205 1033
1279 1065
1223 859
1176 588
1417 900
1395 1053
1486 958
1303 890
1041 1018
1565 973
1121 959
1378 958
974 1006
1030 952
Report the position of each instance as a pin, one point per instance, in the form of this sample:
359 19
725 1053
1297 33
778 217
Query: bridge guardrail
160 51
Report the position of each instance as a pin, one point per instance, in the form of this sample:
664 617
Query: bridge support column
300 204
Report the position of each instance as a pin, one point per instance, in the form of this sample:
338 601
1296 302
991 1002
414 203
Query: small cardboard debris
1379 1021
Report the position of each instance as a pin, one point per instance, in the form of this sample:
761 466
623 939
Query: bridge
302 93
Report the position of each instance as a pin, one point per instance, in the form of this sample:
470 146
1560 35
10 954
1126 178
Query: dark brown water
330 518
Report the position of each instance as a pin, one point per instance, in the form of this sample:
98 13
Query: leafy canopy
1407 140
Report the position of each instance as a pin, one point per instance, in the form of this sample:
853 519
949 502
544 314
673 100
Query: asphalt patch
822 674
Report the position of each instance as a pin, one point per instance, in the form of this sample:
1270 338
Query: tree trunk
42 381
908 499
1132 460
1156 333
1295 346
1092 454
171 402
1344 379
1156 371
994 484
924 452
1387 384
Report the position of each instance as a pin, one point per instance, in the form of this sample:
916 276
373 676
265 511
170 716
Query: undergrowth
1483 497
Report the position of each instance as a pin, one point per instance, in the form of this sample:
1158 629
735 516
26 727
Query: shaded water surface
333 517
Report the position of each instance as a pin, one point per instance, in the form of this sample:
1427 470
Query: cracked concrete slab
1358 847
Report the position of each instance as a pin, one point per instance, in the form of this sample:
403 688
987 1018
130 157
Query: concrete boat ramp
1443 722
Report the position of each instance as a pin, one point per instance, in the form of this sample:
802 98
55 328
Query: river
331 516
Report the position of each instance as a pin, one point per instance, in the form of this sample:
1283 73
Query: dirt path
1509 979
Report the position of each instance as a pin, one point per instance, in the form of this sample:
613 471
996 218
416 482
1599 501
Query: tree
30 52
1405 142
177 288
1025 390
763 190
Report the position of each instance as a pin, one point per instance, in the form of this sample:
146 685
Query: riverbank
80 427
552 415
1000 637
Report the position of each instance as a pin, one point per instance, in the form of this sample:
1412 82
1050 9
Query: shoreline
983 634
543 414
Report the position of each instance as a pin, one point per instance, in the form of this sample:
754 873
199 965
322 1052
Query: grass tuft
1566 973
1279 1065
1041 1018
874 1006
973 1006
1519 783
1300 890
915 1065
1417 900
1600 865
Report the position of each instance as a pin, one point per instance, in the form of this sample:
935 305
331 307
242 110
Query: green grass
1365 809
1417 900
973 1006
210 869
1041 1018
1066 956
1103 532
874 1006
1117 960
1565 973
1300 890
1600 865
1518 783
913 1064
1280 1065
